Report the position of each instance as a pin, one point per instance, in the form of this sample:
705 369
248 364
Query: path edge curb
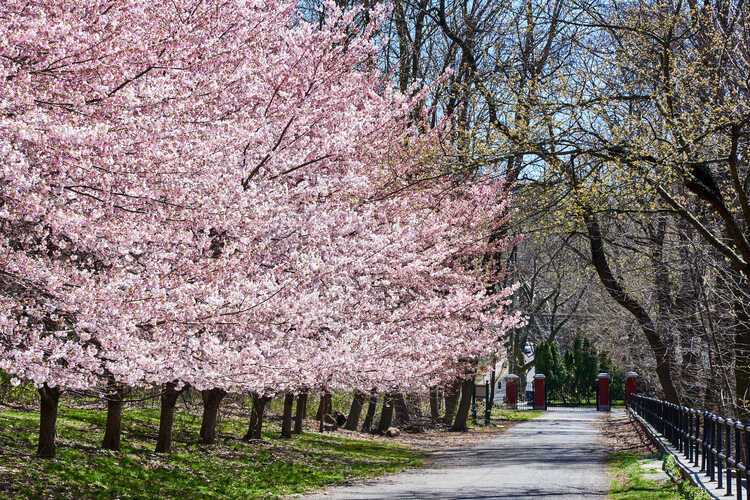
687 472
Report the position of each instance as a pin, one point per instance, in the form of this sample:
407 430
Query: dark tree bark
263 402
286 423
211 400
113 428
254 430
169 395
324 408
352 420
49 399
434 403
253 422
414 405
386 414
616 291
371 407
462 416
451 401
493 381
301 413
401 410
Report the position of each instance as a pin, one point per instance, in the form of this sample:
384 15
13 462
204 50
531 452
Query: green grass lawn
229 469
510 415
631 482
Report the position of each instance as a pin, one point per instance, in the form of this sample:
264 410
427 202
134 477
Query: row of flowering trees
221 195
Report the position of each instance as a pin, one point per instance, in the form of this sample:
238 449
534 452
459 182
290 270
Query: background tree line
571 375
625 127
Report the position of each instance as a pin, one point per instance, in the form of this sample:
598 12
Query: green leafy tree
588 369
547 360
578 374
570 367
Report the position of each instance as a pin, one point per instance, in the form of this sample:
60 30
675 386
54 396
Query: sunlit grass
511 415
631 481
229 469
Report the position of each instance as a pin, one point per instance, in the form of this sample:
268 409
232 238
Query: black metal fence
720 447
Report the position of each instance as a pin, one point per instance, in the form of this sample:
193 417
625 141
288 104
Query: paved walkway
556 456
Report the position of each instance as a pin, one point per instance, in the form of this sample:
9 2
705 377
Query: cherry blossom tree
222 195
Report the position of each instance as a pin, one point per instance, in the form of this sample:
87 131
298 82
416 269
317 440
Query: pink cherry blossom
222 194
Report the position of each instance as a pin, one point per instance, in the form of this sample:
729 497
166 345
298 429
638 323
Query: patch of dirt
437 439
623 434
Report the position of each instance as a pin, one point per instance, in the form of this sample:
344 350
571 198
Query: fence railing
720 447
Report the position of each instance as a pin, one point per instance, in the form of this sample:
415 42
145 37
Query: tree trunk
319 412
616 291
301 412
49 398
352 420
211 400
324 408
434 403
401 411
256 418
253 422
113 428
459 425
286 423
386 414
169 395
493 381
451 401
263 402
414 405
372 405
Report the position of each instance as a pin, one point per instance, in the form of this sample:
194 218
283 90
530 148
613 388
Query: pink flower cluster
222 194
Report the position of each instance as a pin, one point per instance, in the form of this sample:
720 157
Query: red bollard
631 385
540 397
511 391
602 399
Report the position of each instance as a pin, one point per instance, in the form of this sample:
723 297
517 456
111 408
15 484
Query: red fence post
540 399
602 403
631 385
511 390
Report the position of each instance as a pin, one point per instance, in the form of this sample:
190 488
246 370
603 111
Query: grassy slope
631 482
230 469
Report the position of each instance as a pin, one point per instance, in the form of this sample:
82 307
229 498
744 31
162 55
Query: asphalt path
556 456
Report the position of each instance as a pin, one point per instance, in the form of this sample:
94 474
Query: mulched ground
437 439
624 434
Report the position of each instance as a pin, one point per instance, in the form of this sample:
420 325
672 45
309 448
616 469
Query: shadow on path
555 456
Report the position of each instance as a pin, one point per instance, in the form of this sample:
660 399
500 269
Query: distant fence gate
539 398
